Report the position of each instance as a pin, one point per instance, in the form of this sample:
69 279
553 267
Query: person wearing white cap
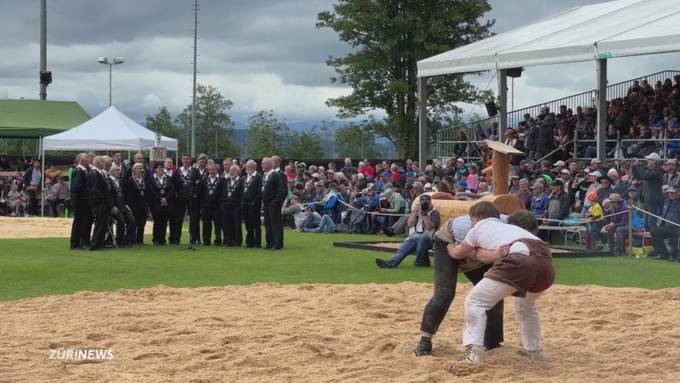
617 186
651 176
558 166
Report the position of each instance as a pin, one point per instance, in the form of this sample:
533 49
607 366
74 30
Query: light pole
110 63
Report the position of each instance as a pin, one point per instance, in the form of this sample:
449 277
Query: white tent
593 32
605 30
109 130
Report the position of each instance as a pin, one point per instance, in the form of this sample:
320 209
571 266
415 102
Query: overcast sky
260 54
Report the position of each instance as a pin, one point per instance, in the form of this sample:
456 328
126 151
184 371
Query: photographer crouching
422 223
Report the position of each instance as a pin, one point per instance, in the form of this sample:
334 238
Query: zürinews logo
80 354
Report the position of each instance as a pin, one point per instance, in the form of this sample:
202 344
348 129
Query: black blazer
196 180
209 194
232 192
184 185
118 194
274 190
252 191
78 187
156 192
135 194
99 190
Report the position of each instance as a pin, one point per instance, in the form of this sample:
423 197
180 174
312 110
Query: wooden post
500 166
630 232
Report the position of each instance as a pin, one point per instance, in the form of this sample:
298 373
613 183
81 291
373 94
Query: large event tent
593 32
109 130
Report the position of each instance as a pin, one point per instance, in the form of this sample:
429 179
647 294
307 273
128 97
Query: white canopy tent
594 32
109 130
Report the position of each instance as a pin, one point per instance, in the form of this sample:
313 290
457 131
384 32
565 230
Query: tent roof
109 130
38 118
605 30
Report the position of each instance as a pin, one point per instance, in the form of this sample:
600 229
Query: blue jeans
418 243
326 226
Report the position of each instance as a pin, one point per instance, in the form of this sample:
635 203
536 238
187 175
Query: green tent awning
37 118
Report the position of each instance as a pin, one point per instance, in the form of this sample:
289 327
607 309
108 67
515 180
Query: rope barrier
581 221
655 216
357 209
373 212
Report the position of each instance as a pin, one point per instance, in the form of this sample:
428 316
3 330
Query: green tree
214 127
161 122
266 135
304 145
355 141
389 37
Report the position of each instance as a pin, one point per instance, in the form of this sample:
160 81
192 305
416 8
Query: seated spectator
605 190
524 193
311 219
559 205
422 223
618 224
539 200
326 224
17 201
291 211
667 230
56 195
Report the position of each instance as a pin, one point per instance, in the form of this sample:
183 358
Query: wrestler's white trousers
484 296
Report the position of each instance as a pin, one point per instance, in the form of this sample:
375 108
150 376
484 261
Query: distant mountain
298 126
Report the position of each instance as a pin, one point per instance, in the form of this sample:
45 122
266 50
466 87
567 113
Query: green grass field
36 267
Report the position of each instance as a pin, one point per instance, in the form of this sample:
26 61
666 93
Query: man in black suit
209 195
135 190
161 198
232 193
99 193
183 189
198 176
251 204
82 214
273 194
126 230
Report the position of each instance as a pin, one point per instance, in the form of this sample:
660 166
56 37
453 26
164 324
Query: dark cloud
262 54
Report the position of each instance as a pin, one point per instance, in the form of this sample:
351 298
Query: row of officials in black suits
107 194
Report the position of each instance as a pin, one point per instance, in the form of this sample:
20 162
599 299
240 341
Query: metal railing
446 138
618 152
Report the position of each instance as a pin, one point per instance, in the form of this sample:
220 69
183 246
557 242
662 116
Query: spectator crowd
366 197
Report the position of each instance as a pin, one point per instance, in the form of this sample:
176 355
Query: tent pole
601 109
422 123
42 178
502 103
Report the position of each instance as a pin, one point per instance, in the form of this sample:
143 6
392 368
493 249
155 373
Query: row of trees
266 133
389 37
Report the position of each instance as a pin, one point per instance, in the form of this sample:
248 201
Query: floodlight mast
193 97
